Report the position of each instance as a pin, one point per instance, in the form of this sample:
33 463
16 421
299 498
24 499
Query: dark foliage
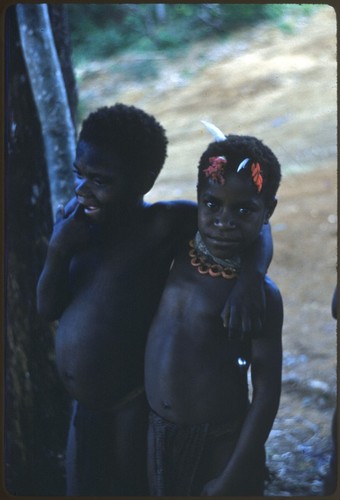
103 30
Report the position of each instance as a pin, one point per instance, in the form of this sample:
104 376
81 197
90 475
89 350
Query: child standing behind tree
106 266
205 438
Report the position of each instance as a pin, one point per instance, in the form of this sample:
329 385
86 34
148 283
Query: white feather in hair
217 134
242 164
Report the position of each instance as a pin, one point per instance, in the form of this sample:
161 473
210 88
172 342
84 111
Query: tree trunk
50 97
36 406
60 28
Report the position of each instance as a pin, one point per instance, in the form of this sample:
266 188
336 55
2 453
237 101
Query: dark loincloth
175 452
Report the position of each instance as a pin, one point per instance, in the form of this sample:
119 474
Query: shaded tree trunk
47 83
36 405
60 28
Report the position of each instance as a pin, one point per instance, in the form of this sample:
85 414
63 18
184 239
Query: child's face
101 184
230 216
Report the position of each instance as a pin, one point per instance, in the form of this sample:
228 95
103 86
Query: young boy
205 438
106 266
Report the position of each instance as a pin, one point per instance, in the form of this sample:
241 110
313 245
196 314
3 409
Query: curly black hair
129 132
235 149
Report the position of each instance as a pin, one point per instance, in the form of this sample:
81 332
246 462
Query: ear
270 210
147 182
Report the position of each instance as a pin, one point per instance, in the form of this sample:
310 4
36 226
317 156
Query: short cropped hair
235 149
129 132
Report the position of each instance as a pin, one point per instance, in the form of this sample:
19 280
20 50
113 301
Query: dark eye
210 204
101 180
98 181
244 211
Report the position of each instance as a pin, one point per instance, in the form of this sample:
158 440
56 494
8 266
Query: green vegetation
103 30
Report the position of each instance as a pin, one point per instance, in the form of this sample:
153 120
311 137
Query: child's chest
129 262
209 291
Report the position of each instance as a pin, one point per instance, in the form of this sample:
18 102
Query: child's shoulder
171 208
179 214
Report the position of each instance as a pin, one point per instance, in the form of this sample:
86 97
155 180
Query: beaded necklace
206 263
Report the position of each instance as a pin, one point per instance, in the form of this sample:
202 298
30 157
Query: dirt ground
281 87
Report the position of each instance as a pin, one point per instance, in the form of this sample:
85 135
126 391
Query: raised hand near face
71 231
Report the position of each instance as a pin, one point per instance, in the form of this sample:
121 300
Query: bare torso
193 372
116 287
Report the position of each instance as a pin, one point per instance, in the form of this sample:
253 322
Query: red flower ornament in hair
216 168
256 173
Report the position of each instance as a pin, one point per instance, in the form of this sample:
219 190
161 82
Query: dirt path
282 88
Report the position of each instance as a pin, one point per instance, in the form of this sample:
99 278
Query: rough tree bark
36 406
50 97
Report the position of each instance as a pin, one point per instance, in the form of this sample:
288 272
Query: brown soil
280 87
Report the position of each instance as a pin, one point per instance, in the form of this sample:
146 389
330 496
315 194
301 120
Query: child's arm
70 232
266 369
245 308
183 221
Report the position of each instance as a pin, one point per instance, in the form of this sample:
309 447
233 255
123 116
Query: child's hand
214 488
209 489
244 312
71 230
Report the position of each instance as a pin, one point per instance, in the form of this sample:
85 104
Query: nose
81 187
224 219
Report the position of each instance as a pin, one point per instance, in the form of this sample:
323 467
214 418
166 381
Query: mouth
223 242
223 248
89 209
